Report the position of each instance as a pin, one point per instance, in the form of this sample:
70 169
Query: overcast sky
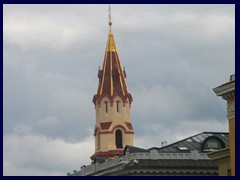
174 55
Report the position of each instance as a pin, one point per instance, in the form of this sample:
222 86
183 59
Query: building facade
222 158
113 129
227 92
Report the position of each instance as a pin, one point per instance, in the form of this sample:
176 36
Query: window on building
212 143
118 138
106 107
118 106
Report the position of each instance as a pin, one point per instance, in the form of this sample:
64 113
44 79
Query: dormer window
212 143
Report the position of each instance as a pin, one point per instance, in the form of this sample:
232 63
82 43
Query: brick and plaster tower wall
113 129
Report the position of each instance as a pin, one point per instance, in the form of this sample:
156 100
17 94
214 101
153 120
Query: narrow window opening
118 108
118 138
106 107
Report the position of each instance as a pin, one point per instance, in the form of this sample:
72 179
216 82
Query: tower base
107 154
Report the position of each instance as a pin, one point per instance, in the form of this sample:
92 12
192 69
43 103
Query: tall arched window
118 138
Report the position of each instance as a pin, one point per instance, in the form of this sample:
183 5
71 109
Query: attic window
212 143
183 148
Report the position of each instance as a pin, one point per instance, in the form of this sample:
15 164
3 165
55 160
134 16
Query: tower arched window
118 138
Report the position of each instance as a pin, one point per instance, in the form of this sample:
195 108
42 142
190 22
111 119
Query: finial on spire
109 17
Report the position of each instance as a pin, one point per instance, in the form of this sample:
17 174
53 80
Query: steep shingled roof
112 76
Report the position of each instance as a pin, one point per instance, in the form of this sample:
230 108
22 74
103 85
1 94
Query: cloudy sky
174 55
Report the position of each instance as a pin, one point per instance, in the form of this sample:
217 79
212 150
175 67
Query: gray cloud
39 155
173 54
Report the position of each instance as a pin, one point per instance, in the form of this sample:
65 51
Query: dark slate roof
133 149
191 143
162 167
194 142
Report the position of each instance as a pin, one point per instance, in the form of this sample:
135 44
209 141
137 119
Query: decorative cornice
97 99
228 95
130 131
220 154
111 132
105 126
226 90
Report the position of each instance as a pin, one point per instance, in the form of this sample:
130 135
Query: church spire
113 128
112 76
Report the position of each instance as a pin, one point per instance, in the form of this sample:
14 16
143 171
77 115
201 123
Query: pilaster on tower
113 129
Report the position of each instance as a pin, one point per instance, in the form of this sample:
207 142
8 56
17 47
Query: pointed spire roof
111 77
111 46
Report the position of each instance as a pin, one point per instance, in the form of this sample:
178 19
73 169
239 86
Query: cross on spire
109 17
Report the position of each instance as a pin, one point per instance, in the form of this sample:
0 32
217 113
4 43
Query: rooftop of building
181 156
197 142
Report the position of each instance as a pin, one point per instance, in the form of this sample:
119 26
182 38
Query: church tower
113 129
